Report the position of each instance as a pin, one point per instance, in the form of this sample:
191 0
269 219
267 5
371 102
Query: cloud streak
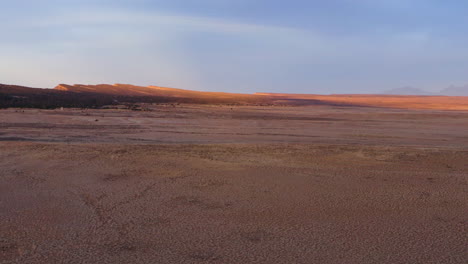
104 44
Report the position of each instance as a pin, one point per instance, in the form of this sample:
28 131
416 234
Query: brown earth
97 96
388 101
369 100
133 90
218 184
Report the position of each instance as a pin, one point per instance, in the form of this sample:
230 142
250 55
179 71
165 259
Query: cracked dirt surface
88 203
265 200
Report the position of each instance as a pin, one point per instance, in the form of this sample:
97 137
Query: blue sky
297 46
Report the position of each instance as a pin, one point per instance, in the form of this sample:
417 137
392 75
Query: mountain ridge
449 91
407 91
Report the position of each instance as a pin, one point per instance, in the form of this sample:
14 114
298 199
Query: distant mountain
449 91
455 91
407 91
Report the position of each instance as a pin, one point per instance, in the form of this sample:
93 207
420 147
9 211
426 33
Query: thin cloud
93 44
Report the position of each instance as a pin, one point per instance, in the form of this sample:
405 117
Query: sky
246 46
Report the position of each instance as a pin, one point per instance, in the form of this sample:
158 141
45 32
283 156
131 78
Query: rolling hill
97 96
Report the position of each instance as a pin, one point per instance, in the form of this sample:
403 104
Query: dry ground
223 124
212 184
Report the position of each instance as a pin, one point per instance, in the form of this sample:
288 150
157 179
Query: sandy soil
210 184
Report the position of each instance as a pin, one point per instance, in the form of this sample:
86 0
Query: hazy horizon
337 46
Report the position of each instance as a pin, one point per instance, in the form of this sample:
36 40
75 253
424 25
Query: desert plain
234 184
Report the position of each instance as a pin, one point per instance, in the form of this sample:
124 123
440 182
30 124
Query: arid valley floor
245 184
